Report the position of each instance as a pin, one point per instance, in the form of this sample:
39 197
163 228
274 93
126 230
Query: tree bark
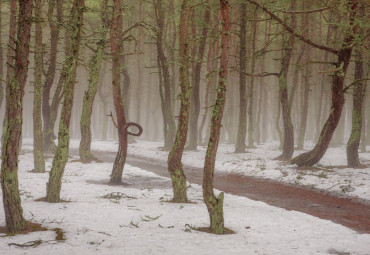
195 101
95 65
1 64
13 127
69 72
174 158
242 125
344 55
54 25
215 204
38 150
357 111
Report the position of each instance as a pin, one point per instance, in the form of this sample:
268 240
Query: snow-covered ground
258 163
141 223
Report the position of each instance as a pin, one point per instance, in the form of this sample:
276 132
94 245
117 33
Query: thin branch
291 30
114 122
303 12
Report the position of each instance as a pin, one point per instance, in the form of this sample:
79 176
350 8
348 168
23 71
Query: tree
242 126
38 149
69 73
195 100
169 126
95 65
121 125
1 65
174 158
344 55
215 204
48 110
13 119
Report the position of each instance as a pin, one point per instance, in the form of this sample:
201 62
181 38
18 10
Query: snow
141 222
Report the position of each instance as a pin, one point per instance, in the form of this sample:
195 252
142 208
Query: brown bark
1 63
13 127
344 55
215 204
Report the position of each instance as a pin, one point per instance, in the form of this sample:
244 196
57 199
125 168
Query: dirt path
344 211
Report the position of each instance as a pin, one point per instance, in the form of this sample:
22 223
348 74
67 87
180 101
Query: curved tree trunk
88 100
242 126
69 72
215 204
344 55
13 129
38 150
174 158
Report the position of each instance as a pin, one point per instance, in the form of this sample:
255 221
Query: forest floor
135 219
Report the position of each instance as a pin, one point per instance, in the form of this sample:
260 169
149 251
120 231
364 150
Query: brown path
347 212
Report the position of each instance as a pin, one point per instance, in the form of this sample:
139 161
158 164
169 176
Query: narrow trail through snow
344 211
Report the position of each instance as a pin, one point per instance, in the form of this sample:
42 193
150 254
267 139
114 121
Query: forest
246 119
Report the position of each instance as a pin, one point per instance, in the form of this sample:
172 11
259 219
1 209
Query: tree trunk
169 122
1 63
288 145
214 204
195 101
358 98
38 150
13 127
69 72
88 100
344 55
174 158
242 126
55 25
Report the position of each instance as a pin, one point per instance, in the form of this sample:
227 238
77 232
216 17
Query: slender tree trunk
358 98
174 158
169 122
88 100
55 25
38 150
288 146
69 72
13 127
215 204
344 55
242 126
195 105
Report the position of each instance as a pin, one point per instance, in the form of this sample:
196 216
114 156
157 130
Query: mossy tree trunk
69 72
10 57
288 45
95 65
38 150
174 158
215 204
195 96
13 127
242 126
358 99
344 55
55 21
169 128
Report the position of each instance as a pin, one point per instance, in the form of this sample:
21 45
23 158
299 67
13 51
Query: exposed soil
345 211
